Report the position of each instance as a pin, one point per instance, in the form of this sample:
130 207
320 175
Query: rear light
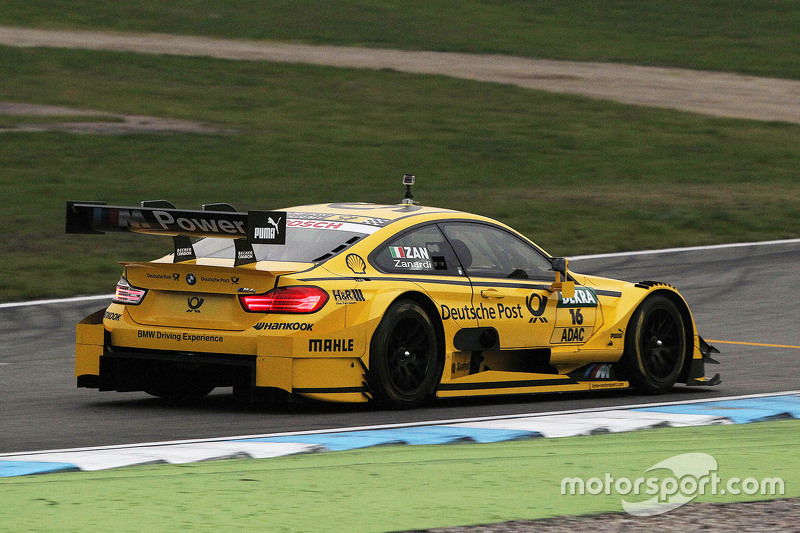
300 299
126 294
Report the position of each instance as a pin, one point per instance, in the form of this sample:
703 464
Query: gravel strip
757 517
125 124
713 93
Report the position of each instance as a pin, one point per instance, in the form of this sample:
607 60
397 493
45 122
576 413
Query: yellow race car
352 302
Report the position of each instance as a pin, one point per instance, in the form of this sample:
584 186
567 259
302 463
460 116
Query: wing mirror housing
565 287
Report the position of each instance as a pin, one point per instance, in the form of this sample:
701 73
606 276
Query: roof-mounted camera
408 181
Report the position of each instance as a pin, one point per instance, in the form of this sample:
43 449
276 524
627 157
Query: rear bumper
100 365
134 371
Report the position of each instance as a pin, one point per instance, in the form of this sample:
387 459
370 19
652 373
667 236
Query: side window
488 251
422 250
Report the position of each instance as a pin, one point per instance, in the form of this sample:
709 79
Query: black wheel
655 346
179 387
403 359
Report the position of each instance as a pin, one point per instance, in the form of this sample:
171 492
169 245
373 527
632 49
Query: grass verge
754 36
576 175
392 488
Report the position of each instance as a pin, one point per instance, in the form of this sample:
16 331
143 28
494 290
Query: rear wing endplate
160 217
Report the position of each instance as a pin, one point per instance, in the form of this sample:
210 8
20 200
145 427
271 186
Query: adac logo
194 303
536 305
191 279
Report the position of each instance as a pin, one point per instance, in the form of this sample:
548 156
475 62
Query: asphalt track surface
743 294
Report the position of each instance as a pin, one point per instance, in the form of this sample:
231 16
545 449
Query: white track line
575 258
60 301
410 424
687 249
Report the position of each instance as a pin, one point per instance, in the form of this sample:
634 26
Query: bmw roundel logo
190 279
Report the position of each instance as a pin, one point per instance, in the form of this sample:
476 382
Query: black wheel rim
408 355
661 344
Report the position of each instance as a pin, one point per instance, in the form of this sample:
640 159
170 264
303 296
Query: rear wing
160 217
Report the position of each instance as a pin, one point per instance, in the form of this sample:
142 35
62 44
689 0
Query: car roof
368 210
379 216
398 216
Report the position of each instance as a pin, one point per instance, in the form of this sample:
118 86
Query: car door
423 256
510 278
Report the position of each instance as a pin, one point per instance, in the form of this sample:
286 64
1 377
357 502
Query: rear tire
655 346
404 360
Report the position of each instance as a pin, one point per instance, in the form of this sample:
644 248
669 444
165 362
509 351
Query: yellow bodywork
325 355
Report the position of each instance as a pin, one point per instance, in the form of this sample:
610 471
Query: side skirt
495 383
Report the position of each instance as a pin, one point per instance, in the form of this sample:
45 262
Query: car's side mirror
565 287
560 265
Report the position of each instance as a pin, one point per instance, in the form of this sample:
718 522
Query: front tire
655 346
404 360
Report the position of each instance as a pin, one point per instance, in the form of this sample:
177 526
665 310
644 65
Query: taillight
126 294
300 299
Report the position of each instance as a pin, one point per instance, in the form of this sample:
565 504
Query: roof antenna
408 181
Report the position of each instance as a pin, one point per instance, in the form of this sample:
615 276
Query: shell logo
356 264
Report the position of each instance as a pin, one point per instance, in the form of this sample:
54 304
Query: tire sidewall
633 360
387 391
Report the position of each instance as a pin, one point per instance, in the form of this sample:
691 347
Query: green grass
754 36
394 488
576 175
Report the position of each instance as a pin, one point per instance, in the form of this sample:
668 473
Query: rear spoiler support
182 244
242 247
160 217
